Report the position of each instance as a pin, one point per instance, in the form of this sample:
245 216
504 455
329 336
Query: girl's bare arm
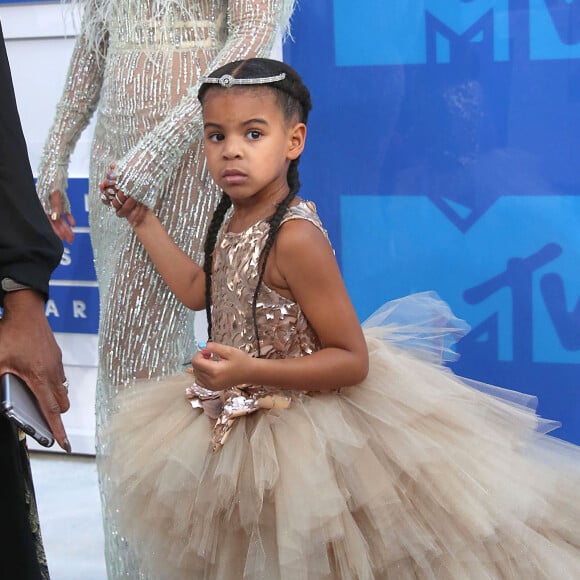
184 277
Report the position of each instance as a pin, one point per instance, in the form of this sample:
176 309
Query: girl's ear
296 141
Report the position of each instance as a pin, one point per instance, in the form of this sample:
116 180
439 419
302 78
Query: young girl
329 453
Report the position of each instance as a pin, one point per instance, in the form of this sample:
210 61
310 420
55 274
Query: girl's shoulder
305 210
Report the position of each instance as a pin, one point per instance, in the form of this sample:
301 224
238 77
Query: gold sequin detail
284 330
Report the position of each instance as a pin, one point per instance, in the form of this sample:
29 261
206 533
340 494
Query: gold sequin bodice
283 328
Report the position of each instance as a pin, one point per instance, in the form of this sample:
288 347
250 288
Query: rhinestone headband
229 81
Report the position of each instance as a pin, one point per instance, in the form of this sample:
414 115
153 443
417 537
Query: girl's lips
233 176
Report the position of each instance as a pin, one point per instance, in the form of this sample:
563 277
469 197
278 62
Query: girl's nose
232 149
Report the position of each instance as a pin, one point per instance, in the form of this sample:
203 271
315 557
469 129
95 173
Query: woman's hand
217 366
124 206
62 224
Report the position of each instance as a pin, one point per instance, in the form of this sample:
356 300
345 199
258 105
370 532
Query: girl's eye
215 137
254 134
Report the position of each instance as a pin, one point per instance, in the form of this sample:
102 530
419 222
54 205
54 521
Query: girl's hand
62 224
217 366
124 206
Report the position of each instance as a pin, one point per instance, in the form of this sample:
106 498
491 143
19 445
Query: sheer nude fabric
137 64
411 475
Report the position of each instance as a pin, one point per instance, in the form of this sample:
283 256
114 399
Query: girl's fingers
136 215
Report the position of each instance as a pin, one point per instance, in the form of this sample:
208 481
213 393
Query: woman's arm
73 113
184 277
252 29
306 267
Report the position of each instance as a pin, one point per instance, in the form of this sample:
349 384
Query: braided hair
294 99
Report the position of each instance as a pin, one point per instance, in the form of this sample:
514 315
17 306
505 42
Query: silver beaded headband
229 81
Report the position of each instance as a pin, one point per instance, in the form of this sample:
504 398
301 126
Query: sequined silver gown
410 475
137 63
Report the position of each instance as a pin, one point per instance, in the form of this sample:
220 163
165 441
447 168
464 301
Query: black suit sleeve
29 249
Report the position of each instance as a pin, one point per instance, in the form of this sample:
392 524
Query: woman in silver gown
137 63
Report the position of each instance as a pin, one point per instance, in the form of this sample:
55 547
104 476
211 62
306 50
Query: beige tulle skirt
410 475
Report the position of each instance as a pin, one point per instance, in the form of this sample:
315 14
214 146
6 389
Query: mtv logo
376 32
517 289
554 29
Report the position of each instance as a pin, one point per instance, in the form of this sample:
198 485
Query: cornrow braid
294 99
208 248
274 222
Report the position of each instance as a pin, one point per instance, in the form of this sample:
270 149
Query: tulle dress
413 474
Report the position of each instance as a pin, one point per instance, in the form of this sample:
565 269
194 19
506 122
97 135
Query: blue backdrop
443 154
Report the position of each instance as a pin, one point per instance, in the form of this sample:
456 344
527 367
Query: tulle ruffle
410 475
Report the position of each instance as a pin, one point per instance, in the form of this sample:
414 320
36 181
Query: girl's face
249 144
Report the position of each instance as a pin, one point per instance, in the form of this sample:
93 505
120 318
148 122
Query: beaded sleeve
74 111
252 29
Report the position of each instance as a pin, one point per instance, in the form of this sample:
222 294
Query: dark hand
29 350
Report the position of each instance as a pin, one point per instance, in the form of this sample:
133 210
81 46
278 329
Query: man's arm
29 251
